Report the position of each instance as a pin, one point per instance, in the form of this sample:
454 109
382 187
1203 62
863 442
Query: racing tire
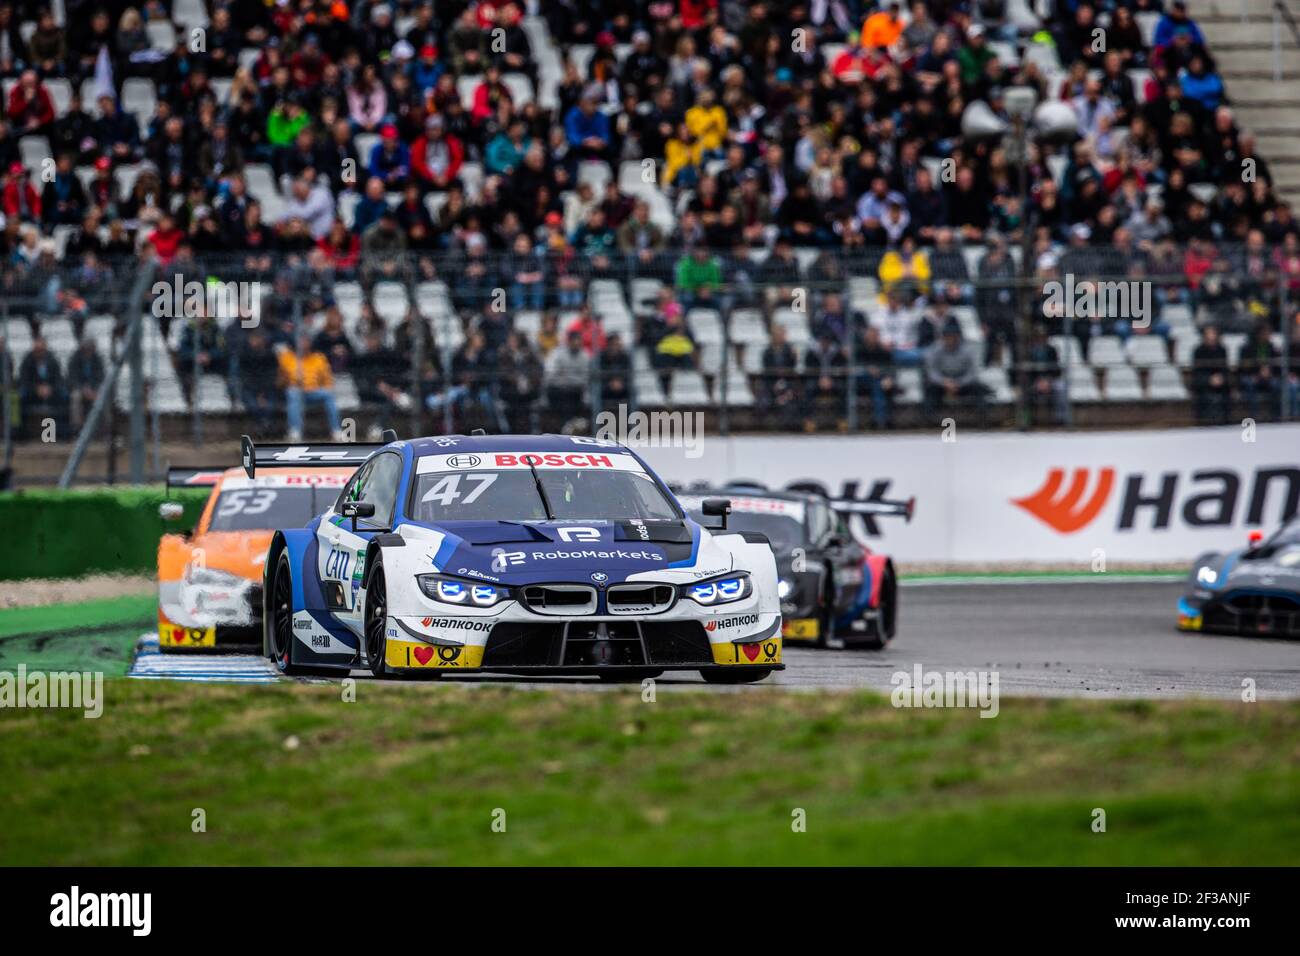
735 675
884 631
376 622
826 613
279 604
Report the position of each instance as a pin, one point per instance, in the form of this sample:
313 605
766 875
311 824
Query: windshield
512 493
260 509
785 534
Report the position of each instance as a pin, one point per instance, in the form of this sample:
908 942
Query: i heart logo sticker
751 650
423 654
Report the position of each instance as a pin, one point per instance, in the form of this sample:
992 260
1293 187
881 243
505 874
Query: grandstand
784 214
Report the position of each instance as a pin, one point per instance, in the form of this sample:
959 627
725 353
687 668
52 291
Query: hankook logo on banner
1209 497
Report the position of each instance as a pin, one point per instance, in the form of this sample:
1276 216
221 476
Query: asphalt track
1098 637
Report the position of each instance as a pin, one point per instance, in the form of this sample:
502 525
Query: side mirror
716 508
358 509
171 511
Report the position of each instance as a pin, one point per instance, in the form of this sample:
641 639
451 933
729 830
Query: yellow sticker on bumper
418 655
1187 622
802 629
173 635
760 652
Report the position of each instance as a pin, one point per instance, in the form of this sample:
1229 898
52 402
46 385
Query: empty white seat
705 326
34 150
737 393
162 35
909 386
1166 384
520 87
1105 351
60 95
190 13
688 388
648 389
995 380
345 392
1147 351
1233 343
390 301
1082 384
140 99
1122 384
1067 349
596 172
711 354
213 396
797 329
748 327
529 323
644 294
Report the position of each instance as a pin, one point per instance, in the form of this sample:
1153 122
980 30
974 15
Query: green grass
93 635
411 774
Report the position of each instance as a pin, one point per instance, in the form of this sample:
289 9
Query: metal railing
863 330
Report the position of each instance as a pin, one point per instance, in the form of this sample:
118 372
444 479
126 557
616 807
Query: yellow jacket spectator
902 265
306 379
707 121
311 372
682 156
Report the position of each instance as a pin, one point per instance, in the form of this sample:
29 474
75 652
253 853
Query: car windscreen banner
1129 496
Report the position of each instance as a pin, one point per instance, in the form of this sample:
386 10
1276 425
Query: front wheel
280 606
377 623
735 675
887 622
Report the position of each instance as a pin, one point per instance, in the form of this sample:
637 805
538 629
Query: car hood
241 553
1279 571
580 551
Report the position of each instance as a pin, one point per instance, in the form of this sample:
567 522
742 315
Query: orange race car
210 579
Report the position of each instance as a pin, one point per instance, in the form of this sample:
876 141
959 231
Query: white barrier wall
1139 495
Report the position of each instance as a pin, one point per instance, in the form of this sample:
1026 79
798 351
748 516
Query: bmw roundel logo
464 461
600 577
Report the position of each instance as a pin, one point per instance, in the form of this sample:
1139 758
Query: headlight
459 591
784 588
1207 575
724 590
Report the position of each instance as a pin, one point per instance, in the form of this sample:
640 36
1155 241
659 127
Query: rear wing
304 455
194 477
880 506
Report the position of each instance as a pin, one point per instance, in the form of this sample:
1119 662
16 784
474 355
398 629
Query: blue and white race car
543 554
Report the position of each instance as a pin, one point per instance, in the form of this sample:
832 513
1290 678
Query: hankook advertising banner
1138 496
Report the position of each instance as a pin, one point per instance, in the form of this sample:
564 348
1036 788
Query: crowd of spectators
766 128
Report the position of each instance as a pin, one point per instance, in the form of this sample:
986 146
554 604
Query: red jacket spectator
1198 260
29 109
166 239
436 157
341 247
593 335
19 190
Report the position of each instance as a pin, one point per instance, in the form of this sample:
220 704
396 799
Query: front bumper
1253 615
178 631
583 646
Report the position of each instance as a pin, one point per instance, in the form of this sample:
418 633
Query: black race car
1254 591
832 589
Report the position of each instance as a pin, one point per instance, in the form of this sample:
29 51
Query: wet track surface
1104 638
